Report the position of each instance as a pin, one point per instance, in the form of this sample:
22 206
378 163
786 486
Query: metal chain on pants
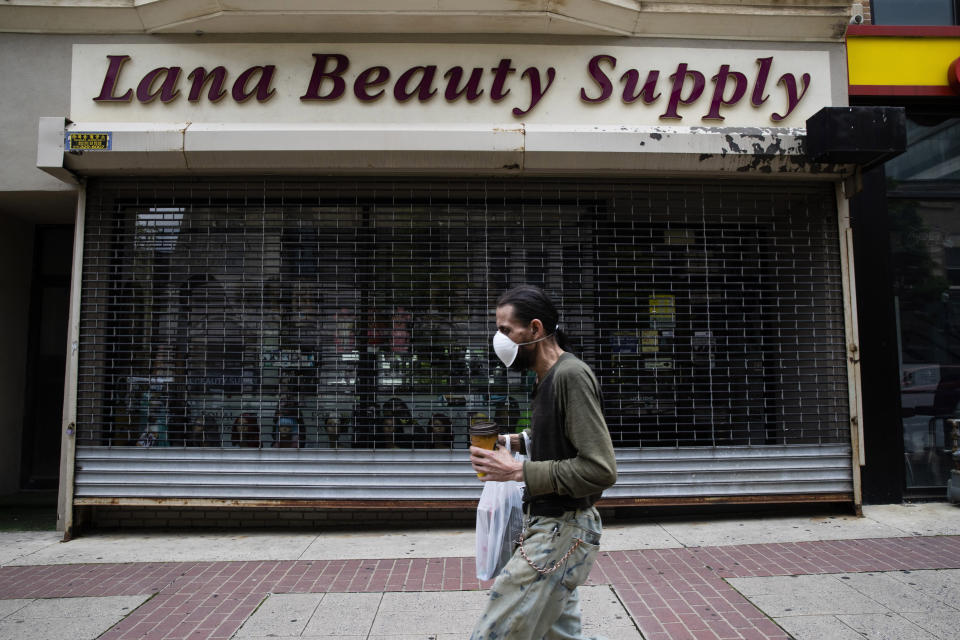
546 570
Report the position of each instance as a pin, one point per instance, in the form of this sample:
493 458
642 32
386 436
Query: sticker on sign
88 141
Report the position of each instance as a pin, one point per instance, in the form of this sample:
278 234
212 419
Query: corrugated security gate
321 340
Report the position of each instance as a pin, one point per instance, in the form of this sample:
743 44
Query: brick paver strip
672 594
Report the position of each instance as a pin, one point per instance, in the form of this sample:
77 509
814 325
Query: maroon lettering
760 84
501 71
107 91
320 74
328 82
648 93
598 76
217 78
471 88
676 95
536 93
168 88
262 90
424 88
719 89
364 83
789 83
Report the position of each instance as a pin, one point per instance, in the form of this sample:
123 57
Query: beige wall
16 251
36 79
36 74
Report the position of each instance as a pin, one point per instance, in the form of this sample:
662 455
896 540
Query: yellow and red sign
903 61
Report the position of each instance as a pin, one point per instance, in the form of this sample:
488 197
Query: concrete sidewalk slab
943 586
282 616
18 545
878 521
603 614
191 546
781 596
64 618
941 624
344 614
923 519
899 605
442 615
8 607
413 543
720 531
887 627
818 628
893 594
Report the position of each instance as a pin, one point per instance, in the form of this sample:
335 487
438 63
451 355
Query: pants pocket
577 568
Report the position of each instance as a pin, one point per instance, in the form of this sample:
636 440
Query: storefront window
359 315
913 12
924 203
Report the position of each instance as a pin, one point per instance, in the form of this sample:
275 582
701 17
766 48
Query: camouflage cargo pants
526 604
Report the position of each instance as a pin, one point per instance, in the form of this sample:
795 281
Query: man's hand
499 465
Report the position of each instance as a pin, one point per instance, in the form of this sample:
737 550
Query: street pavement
894 573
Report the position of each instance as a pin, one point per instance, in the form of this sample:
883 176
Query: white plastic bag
499 522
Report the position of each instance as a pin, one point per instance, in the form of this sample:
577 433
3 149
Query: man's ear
536 328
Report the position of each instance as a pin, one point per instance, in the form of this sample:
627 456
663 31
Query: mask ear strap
556 328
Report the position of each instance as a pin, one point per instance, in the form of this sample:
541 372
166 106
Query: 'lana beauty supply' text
331 79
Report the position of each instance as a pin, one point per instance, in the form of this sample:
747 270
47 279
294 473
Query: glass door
923 188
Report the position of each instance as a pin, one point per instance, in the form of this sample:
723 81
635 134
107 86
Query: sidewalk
894 573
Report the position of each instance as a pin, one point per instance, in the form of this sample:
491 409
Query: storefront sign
904 61
444 83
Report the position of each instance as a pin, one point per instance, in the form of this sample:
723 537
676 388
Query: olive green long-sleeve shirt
571 456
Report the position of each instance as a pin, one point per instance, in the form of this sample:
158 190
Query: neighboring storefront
911 235
291 253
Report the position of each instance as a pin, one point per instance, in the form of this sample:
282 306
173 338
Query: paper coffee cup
485 436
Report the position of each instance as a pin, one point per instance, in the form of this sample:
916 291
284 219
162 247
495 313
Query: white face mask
506 349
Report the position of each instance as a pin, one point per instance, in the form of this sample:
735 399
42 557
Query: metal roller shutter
297 338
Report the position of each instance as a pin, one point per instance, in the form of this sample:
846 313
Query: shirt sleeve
594 468
522 441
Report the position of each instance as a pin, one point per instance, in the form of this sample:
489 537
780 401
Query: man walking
571 463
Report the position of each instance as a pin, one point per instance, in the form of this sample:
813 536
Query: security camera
857 14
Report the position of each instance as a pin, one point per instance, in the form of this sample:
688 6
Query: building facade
288 246
905 223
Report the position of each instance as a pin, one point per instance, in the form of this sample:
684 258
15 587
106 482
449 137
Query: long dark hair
531 302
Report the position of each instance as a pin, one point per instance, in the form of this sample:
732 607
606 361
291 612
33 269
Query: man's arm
594 468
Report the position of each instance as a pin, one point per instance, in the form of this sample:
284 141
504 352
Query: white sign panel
446 83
